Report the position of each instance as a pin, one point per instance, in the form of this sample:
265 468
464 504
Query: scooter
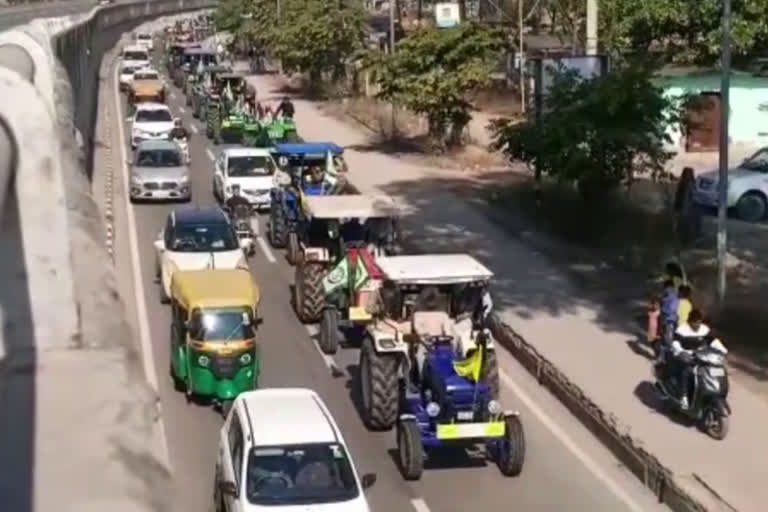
708 405
242 220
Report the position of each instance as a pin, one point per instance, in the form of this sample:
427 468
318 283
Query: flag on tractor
471 367
339 277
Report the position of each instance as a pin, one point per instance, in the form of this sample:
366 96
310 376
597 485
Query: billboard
544 69
447 15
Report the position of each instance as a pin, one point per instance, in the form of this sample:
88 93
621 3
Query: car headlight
184 180
433 409
494 407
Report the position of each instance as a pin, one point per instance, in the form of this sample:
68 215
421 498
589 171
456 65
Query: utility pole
722 210
392 50
520 28
592 13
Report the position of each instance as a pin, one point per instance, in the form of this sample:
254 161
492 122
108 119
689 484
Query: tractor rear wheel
212 118
278 227
491 374
510 455
410 450
379 387
328 339
308 286
294 253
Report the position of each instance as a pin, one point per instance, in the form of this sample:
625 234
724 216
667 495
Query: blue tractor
305 169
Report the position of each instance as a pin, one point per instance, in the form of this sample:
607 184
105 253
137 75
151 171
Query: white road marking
265 249
420 505
150 370
569 443
210 154
328 360
193 128
182 110
172 95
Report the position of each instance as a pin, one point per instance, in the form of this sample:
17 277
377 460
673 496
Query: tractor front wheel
294 252
328 338
379 387
491 374
278 227
511 449
308 286
410 450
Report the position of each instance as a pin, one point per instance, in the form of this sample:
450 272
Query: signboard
447 15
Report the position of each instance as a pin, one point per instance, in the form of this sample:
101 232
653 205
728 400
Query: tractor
332 233
255 134
187 72
298 170
283 130
224 120
412 300
175 54
202 87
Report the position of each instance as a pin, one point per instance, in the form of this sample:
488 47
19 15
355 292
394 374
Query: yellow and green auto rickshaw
214 354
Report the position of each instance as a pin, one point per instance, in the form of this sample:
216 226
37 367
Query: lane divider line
150 370
265 249
193 127
419 505
313 331
182 110
569 443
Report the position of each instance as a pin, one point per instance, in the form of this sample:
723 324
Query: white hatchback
252 169
152 121
281 449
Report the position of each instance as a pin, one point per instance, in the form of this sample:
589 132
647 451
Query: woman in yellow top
684 305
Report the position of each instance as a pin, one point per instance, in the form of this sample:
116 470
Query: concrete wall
77 418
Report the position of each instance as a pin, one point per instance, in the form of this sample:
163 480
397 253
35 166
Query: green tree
247 20
688 31
317 36
595 133
434 71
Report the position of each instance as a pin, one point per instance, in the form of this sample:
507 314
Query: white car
145 40
747 188
280 449
152 121
133 57
195 239
253 169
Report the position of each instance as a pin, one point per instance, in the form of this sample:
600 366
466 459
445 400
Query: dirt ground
628 239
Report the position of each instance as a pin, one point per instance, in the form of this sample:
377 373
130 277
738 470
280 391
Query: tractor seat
432 324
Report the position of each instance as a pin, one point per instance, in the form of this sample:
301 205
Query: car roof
134 48
433 269
156 144
352 206
152 105
282 416
308 148
232 152
198 215
215 288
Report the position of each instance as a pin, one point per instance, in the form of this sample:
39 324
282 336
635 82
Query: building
748 107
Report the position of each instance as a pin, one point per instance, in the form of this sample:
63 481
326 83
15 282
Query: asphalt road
19 15
566 469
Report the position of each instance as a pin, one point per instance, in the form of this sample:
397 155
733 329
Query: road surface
566 469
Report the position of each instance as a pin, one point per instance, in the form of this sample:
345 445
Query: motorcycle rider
688 337
235 200
178 132
285 108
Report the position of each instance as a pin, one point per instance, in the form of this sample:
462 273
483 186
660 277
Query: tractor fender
387 342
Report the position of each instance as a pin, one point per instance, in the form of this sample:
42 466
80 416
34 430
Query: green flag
339 276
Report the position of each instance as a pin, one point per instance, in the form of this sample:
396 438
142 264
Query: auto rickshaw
214 316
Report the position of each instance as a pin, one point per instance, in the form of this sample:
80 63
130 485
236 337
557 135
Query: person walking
686 209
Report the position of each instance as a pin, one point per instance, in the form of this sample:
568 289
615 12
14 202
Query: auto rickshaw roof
309 148
433 269
215 288
352 206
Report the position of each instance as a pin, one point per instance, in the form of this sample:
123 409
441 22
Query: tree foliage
687 30
433 72
595 133
247 20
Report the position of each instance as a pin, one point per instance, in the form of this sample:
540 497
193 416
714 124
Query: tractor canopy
349 207
193 56
313 167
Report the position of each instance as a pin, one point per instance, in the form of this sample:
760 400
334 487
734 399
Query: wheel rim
752 207
365 386
712 423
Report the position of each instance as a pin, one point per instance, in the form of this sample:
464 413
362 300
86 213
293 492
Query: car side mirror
368 480
159 245
228 488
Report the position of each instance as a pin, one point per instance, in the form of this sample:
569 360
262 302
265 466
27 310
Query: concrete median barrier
78 422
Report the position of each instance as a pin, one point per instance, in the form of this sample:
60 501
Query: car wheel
752 207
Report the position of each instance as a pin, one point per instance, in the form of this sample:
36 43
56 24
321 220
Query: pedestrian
652 330
686 209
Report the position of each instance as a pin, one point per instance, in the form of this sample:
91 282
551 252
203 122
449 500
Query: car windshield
153 116
158 158
221 324
300 475
135 55
247 166
144 37
145 75
204 238
757 162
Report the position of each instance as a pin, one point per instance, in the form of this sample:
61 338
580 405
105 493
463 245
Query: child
685 305
652 332
669 306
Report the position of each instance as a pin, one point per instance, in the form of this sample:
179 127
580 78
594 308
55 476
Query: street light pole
592 14
722 208
392 50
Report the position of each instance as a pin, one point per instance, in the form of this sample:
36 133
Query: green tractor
255 134
224 120
283 130
202 87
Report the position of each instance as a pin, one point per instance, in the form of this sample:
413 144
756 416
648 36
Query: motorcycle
708 404
184 146
242 219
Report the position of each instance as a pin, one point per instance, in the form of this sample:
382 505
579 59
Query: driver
178 132
687 338
285 108
236 200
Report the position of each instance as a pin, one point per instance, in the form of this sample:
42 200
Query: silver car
159 172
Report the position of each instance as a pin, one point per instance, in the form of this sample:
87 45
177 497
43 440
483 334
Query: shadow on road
18 360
